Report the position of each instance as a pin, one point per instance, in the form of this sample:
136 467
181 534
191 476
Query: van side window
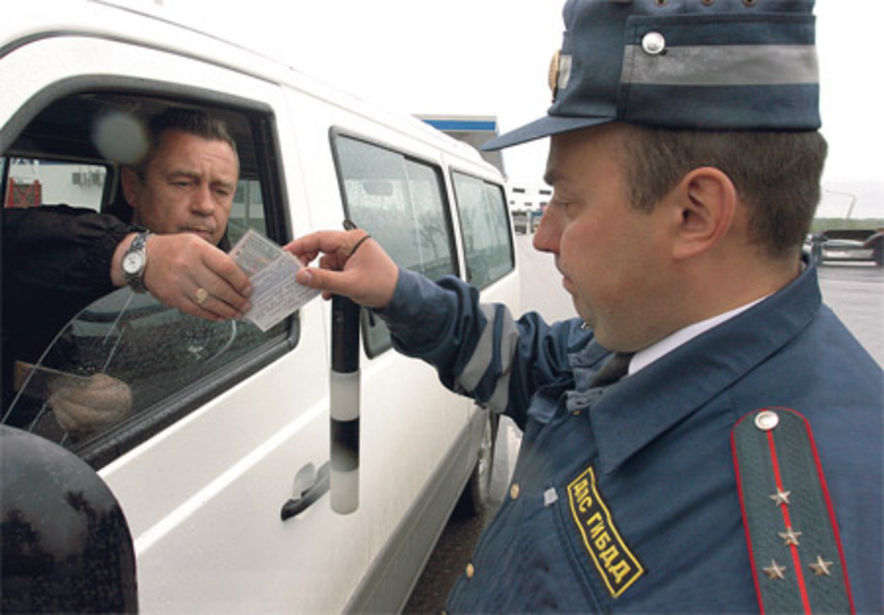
485 227
124 366
401 202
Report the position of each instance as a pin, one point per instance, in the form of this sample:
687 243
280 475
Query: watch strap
135 280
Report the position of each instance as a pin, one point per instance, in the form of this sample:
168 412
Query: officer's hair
191 121
776 174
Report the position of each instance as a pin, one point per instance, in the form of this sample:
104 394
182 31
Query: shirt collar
669 343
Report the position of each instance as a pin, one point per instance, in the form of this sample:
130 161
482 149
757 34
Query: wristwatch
134 262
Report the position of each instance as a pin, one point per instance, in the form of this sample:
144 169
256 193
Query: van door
221 421
418 443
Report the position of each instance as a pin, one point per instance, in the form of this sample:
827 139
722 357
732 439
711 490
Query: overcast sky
490 57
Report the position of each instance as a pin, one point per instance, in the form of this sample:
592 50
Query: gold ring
201 295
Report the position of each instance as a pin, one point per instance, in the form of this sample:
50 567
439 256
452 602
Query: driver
59 259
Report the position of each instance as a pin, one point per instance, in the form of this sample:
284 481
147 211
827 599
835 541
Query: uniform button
514 491
653 43
470 571
766 420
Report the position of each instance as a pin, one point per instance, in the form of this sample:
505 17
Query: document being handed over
275 294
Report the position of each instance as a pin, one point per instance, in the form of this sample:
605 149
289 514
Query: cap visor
544 127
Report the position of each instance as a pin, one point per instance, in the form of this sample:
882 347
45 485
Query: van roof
147 24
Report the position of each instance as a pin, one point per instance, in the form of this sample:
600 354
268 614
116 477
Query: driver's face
188 187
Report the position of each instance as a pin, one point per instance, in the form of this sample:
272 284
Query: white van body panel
203 496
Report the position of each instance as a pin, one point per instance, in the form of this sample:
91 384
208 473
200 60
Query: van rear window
484 223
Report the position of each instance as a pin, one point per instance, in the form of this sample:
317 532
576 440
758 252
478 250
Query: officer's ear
703 206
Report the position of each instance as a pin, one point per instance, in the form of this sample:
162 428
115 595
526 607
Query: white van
230 423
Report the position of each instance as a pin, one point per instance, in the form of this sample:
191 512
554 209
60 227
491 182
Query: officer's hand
83 406
361 271
186 272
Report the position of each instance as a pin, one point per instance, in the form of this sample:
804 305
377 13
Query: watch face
133 262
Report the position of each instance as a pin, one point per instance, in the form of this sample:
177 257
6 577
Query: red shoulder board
794 546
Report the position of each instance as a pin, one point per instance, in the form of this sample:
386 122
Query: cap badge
553 77
559 73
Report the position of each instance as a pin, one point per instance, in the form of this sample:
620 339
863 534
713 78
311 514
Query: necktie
613 370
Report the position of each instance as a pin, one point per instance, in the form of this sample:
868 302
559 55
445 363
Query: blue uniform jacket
624 499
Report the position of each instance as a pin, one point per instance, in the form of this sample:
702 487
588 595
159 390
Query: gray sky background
490 57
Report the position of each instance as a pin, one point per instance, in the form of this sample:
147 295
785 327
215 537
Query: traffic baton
344 406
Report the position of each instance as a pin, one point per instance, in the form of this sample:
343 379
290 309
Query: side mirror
64 541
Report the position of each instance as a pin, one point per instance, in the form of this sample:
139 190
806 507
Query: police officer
706 436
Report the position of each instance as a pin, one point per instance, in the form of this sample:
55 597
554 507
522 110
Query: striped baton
344 406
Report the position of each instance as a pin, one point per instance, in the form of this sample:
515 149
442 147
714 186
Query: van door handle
308 496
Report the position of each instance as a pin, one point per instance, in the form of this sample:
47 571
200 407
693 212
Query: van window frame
334 133
118 440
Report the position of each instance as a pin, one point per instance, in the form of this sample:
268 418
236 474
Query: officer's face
188 186
607 251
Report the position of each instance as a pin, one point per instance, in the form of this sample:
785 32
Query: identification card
275 294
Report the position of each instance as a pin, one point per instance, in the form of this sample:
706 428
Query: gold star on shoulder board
781 497
790 536
821 567
775 571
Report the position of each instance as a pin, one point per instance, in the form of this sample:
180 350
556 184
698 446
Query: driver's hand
186 272
84 408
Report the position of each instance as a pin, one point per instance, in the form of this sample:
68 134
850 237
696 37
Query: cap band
713 65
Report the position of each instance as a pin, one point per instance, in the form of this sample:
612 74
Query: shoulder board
794 547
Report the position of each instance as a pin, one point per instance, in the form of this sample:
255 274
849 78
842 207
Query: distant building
472 129
526 202
529 198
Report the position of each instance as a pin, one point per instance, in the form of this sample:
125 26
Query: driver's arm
78 250
60 247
